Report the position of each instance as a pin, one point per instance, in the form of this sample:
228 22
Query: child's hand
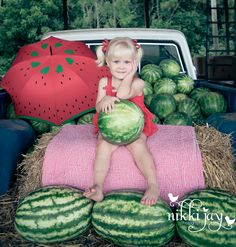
130 75
108 104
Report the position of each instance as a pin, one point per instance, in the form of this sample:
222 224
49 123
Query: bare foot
151 195
94 193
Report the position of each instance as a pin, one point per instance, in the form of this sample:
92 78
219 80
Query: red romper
149 127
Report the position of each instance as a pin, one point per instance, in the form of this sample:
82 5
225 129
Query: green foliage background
25 21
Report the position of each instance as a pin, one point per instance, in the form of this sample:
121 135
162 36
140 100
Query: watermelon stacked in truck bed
171 94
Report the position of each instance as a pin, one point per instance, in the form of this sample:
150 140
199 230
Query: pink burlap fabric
70 156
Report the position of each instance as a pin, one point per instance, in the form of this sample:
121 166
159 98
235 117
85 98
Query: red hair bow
136 44
105 45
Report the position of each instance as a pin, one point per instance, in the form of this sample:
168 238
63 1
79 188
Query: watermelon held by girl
170 68
53 215
209 218
121 219
123 125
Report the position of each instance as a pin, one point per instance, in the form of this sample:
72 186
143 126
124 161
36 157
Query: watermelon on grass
170 68
53 215
164 85
151 73
162 105
209 219
121 219
184 83
212 102
178 118
123 125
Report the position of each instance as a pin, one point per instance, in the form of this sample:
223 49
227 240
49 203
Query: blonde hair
118 47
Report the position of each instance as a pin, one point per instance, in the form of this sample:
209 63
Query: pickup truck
157 44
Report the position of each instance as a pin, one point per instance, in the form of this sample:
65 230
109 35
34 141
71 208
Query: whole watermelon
178 118
121 219
123 125
151 73
184 83
180 96
212 102
148 99
164 85
198 92
86 118
53 215
209 219
162 105
156 120
170 68
190 107
147 88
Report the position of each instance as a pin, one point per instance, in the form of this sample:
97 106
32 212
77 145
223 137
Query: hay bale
216 150
30 170
218 158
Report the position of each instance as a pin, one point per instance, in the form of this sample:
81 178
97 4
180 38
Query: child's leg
101 166
145 163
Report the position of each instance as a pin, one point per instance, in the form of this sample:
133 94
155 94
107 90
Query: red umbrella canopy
53 80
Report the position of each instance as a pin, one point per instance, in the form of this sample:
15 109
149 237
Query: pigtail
139 54
100 56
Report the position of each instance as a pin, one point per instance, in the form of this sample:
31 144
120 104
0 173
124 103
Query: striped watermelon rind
123 125
121 219
212 103
184 83
170 68
164 85
178 118
214 201
86 119
190 107
198 92
53 214
162 105
147 88
179 97
151 73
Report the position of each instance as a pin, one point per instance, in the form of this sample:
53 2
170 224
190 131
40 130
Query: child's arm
130 86
104 102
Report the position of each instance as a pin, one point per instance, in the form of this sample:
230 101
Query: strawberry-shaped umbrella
53 80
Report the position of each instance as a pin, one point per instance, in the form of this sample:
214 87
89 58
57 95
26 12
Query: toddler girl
122 56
